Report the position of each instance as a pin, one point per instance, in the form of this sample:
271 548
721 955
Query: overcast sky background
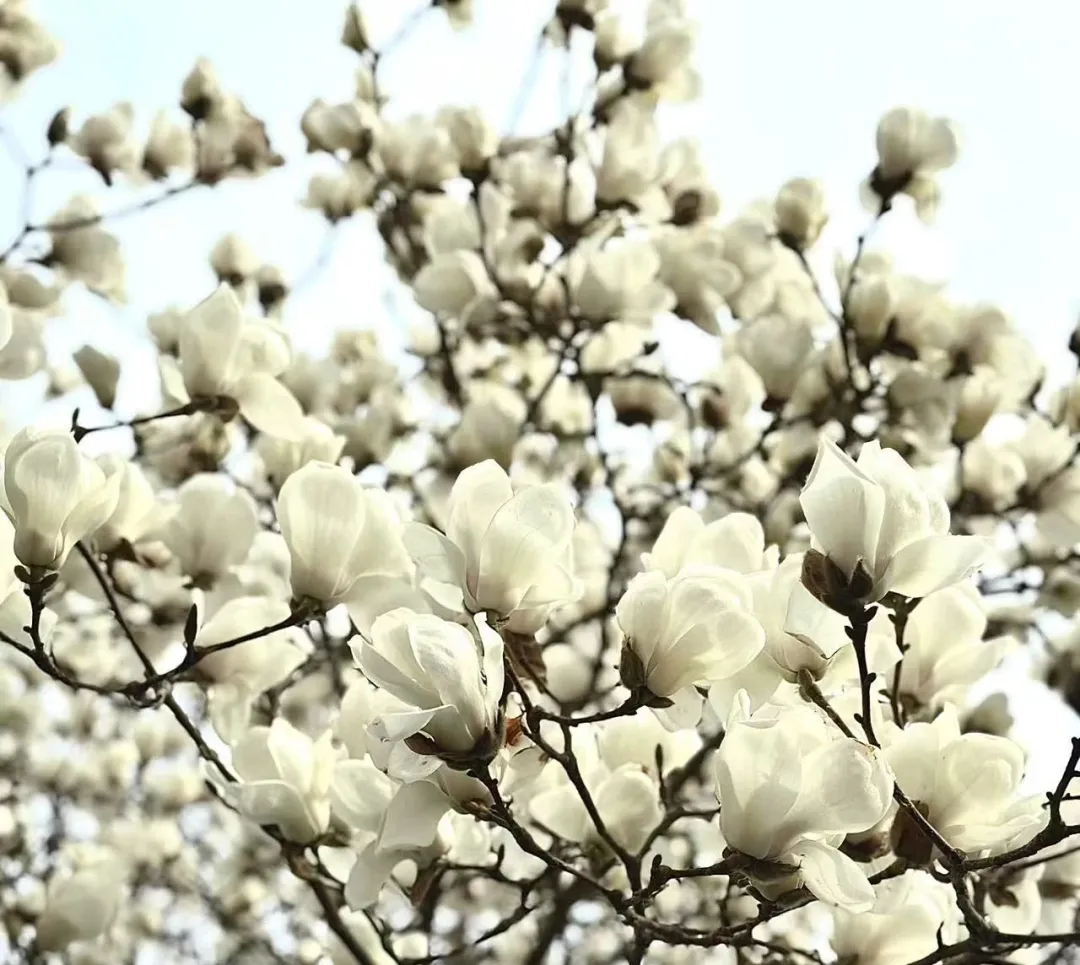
790 89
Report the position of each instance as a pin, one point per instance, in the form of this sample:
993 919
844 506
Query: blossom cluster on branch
528 644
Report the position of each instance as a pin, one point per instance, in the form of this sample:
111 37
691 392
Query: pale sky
791 88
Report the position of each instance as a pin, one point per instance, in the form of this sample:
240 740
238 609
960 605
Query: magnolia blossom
620 281
694 628
504 552
238 674
226 359
733 542
912 147
800 212
624 791
967 784
945 653
881 530
213 527
80 906
138 514
56 496
284 779
909 917
451 682
282 457
344 538
776 806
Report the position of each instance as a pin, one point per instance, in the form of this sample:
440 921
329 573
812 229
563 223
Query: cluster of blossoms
528 646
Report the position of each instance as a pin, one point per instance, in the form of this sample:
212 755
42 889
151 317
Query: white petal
270 407
932 563
834 877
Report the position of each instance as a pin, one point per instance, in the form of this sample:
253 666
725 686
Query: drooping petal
833 877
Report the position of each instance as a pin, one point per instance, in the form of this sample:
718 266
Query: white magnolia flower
695 628
910 916
451 683
138 514
56 496
967 783
663 64
912 147
625 794
84 251
106 141
213 527
619 282
236 675
226 359
345 127
733 542
169 146
282 457
630 161
80 906
945 651
456 283
504 552
776 807
284 779
881 528
344 538
800 212
779 349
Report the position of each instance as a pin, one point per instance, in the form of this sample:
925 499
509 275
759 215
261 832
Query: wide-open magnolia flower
344 539
968 784
504 552
911 914
451 682
694 628
228 360
881 530
777 806
56 496
284 779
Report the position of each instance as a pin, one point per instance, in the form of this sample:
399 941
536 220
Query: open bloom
343 537
451 683
56 496
967 784
911 914
880 529
505 552
284 779
789 791
228 360
694 628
